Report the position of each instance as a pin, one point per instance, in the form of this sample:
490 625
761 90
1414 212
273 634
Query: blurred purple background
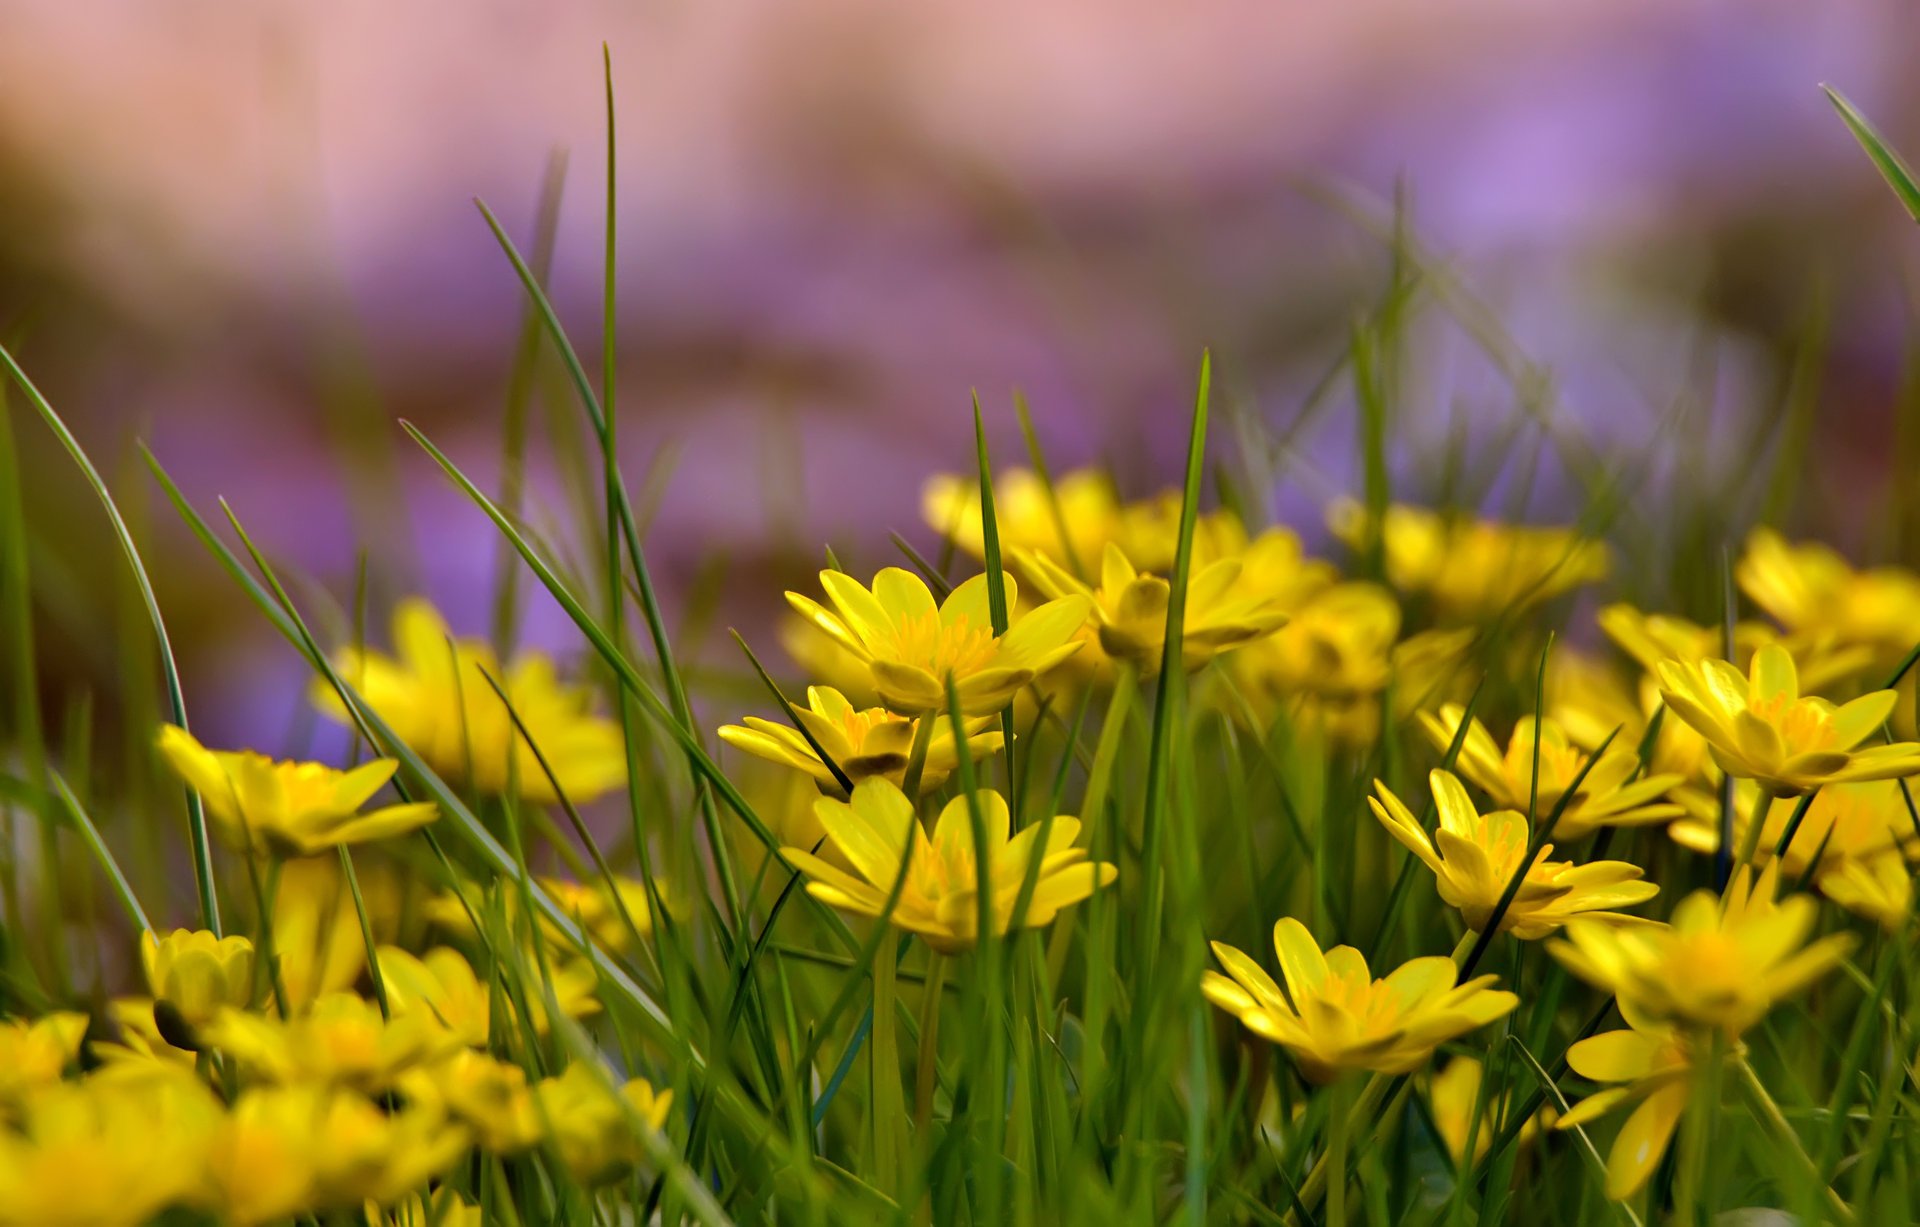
245 234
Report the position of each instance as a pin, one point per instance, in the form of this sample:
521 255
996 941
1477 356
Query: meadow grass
828 1067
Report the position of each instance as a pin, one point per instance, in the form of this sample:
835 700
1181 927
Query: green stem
917 757
1750 838
1777 1121
1696 1133
926 1068
1337 1151
883 1105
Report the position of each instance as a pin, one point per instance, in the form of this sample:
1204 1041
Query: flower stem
1338 1121
926 1069
917 757
1750 838
884 1107
1777 1121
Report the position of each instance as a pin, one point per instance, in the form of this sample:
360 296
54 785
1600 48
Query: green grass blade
1891 166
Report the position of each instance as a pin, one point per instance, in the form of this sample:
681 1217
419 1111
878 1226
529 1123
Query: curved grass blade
1891 166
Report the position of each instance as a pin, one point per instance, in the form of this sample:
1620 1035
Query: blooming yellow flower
489 1096
593 1128
1451 1096
1654 638
1877 888
1652 1063
1718 964
288 808
1334 1016
435 696
371 1155
1843 822
1473 570
940 900
1812 590
914 647
34 1052
441 986
197 974
1760 727
1608 796
1473 856
103 1153
341 1039
1328 664
1089 512
874 742
1129 608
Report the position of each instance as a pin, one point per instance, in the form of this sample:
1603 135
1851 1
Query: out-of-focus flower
434 694
1589 698
316 928
1653 1063
877 830
445 1208
594 1128
197 974
491 1097
34 1052
1720 964
1431 667
1761 728
288 808
1608 796
1334 1016
107 1152
1812 591
820 655
342 1039
1473 570
863 744
1654 638
1474 855
1878 888
1843 822
441 985
371 1155
914 647
1130 608
1451 1096
1328 664
588 906
1071 527
259 1157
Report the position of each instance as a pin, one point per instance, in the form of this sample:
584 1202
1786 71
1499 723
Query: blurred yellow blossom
1334 1016
863 744
196 974
1328 664
1842 822
594 1128
1878 888
914 647
1473 856
1812 591
340 1039
878 830
1653 1063
106 1152
1452 1095
434 694
288 808
490 1096
34 1051
1472 570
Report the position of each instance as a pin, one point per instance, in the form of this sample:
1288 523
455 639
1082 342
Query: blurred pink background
244 233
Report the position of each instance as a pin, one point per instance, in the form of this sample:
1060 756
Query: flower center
1802 725
944 649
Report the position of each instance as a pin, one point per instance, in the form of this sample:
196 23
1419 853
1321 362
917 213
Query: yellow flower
489 1096
1761 728
592 1127
1717 965
1473 570
940 899
435 695
1473 856
1334 1016
316 928
1451 1096
1608 796
445 1208
441 986
1329 663
914 647
1652 639
341 1039
34 1052
104 1153
1843 822
1814 591
1878 888
1130 608
1652 1063
1089 511
1589 699
198 974
288 808
371 1155
260 1157
874 742
140 1043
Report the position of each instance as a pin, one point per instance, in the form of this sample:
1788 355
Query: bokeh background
245 235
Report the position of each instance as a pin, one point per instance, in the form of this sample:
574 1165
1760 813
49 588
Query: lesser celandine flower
1452 1095
594 1128
441 985
196 974
107 1152
1129 608
1472 569
316 927
374 1155
1878 888
445 1208
1760 726
1329 663
914 647
1334 1016
588 906
33 1052
1473 856
874 742
1842 822
434 694
1609 795
1083 506
1813 591
1719 964
289 808
260 1156
1651 1063
877 830
341 1039
489 1096
1654 638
